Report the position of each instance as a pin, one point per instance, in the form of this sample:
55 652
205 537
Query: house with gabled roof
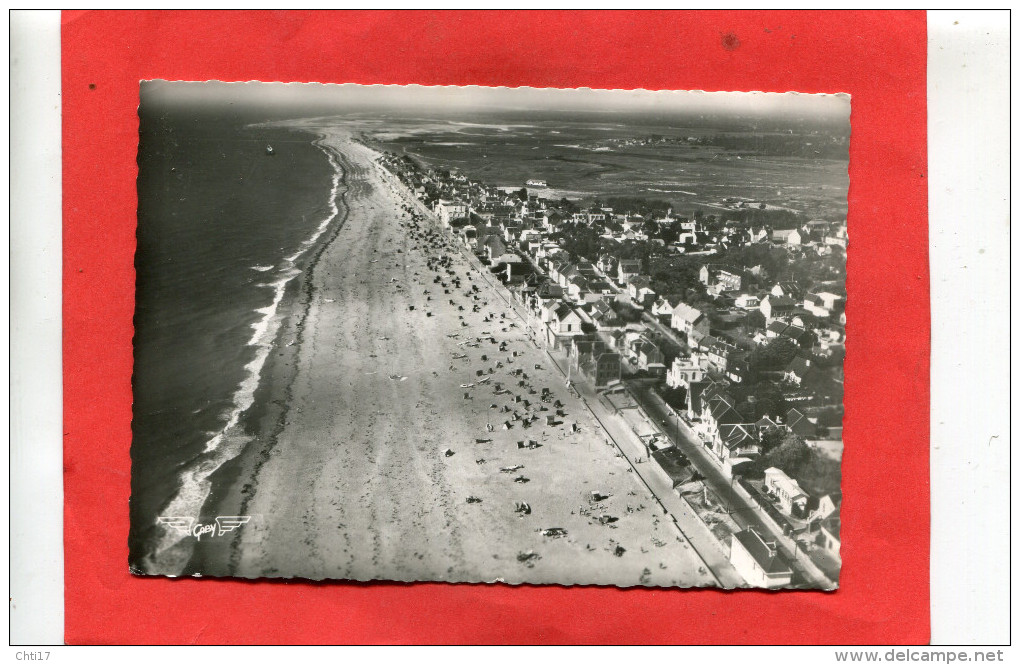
718 352
548 292
627 269
596 361
647 354
690 321
498 253
493 245
604 316
758 560
799 424
786 237
765 425
663 306
787 289
574 270
695 391
797 370
824 506
738 442
718 409
825 303
576 286
798 334
640 291
747 301
756 234
775 307
562 323
719 279
737 368
515 273
815 305
828 536
600 287
555 265
606 263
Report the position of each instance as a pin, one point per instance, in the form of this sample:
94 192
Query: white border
969 210
36 529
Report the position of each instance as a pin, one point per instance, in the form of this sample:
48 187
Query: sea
223 230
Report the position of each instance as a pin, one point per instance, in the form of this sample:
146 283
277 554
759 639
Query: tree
754 320
678 278
786 451
769 400
675 397
772 439
791 455
522 193
772 356
669 234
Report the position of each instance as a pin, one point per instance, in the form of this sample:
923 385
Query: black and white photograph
469 334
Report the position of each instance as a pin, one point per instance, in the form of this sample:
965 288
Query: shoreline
263 421
347 477
235 482
175 554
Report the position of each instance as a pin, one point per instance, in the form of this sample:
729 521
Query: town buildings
752 342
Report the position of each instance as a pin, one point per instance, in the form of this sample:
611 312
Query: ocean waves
169 550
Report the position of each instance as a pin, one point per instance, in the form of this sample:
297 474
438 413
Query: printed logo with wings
227 523
187 526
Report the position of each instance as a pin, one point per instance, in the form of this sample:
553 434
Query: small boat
269 150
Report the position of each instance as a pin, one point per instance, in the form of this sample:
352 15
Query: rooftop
764 552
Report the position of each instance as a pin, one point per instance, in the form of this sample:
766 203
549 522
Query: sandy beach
373 456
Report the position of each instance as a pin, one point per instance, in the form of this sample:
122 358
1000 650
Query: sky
311 98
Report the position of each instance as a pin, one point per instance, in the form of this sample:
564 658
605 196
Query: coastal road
633 449
744 510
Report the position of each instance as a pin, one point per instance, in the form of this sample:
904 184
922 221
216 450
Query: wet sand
370 459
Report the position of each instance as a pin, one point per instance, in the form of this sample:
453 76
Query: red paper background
877 57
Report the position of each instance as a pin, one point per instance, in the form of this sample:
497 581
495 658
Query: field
694 167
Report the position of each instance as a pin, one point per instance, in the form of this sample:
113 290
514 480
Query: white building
690 321
758 560
787 490
787 236
748 301
450 210
686 369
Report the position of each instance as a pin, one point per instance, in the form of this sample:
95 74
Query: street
744 510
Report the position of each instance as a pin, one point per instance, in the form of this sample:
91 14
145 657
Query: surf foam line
169 553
